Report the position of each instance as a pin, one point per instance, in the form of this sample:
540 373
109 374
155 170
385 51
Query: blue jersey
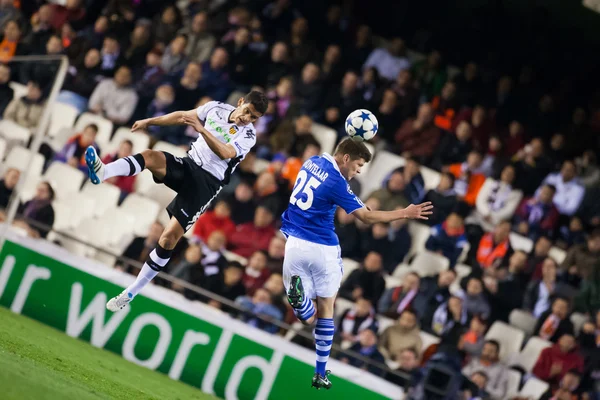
320 188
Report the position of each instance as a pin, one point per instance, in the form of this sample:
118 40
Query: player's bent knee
168 240
153 159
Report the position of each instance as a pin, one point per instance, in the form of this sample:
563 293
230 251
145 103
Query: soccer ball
361 125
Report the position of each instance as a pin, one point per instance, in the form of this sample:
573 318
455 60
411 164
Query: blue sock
306 310
323 340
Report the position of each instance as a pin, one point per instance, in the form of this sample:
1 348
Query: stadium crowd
516 154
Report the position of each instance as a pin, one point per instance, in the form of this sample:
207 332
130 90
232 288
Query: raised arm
174 118
223 150
413 211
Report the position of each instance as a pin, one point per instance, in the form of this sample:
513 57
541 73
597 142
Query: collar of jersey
329 158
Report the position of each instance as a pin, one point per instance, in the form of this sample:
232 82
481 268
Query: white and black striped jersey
215 117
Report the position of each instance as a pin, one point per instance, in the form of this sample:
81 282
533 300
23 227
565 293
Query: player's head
250 108
351 155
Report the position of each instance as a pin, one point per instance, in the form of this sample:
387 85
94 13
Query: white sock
147 273
127 166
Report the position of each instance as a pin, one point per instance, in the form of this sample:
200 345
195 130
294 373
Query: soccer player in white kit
312 267
226 135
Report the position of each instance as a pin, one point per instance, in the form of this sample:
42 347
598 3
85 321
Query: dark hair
354 148
449 176
258 99
595 234
551 187
51 192
412 350
235 264
94 127
494 343
482 373
409 311
127 141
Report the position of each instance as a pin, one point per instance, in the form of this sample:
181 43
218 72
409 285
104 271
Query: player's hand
142 124
194 122
418 211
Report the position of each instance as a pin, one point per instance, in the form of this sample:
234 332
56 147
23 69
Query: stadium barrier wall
164 331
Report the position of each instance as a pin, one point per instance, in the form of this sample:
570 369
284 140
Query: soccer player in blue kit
312 267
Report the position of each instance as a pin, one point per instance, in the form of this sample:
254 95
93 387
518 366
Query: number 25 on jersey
304 185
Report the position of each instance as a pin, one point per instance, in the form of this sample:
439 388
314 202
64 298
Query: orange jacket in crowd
443 115
488 253
475 183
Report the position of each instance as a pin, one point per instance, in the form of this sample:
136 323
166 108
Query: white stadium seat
419 234
63 116
428 339
170 148
260 165
557 254
519 242
462 270
392 281
578 320
115 229
364 171
19 89
69 212
342 305
14 133
22 158
326 137
105 128
65 179
140 140
534 389
384 323
107 196
531 352
384 163
514 381
523 320
144 182
2 148
349 266
162 194
144 210
428 263
430 177
510 339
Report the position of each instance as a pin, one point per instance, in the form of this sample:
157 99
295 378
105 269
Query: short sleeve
244 141
344 197
202 111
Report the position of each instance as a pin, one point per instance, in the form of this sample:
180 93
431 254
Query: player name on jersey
316 170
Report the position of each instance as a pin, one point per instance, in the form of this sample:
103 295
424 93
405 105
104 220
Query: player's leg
297 280
156 261
98 172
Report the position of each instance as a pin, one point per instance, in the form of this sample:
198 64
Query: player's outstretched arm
223 150
174 118
414 211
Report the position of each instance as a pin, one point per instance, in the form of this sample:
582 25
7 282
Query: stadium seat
349 266
106 195
140 140
384 323
19 89
523 320
65 179
326 137
531 352
105 257
462 270
29 187
162 194
514 381
170 148
578 320
419 234
510 339
428 339
144 210
69 212
231 256
430 177
260 165
63 116
22 158
519 242
105 128
144 182
427 263
534 388
342 305
382 165
365 169
557 254
2 148
115 229
14 133
392 281
234 97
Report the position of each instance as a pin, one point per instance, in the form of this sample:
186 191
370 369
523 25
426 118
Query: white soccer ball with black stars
361 125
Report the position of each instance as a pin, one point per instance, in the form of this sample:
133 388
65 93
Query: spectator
166 24
389 61
73 13
366 281
469 85
392 195
41 29
73 152
388 116
139 44
408 375
555 322
149 76
475 301
496 201
541 251
114 98
406 93
348 234
217 218
489 363
331 67
415 188
449 317
27 110
473 340
418 137
38 211
81 80
356 319
403 335
582 259
371 85
278 65
92 35
261 304
588 338
124 183
448 239
588 298
430 75
111 55
291 167
538 215
556 361
356 54
366 347
569 192
242 59
540 291
215 75
532 166
275 253
174 59
256 272
444 198
302 50
494 246
454 148
395 300
341 100
163 104
7 185
587 168
400 243
568 388
6 92
213 260
479 381
506 286
308 89
242 204
188 87
200 41
44 71
188 269
445 106
139 249
469 177
11 45
228 285
435 292
8 12
572 234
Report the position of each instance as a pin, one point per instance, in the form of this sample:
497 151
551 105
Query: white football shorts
318 265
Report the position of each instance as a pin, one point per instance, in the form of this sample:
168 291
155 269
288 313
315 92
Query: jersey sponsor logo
239 147
233 130
250 134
